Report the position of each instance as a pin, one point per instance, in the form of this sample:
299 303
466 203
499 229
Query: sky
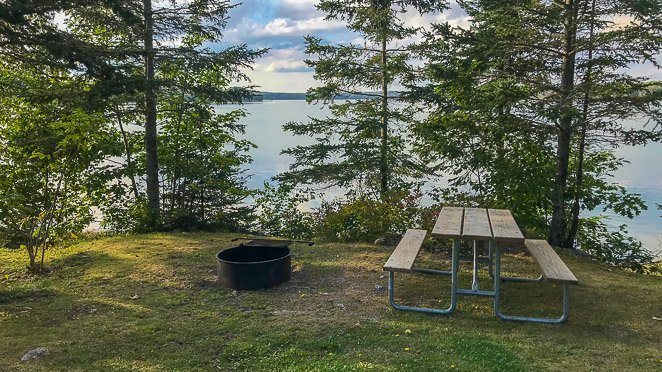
281 25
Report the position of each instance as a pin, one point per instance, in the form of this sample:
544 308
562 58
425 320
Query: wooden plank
449 223
404 255
553 268
504 226
476 224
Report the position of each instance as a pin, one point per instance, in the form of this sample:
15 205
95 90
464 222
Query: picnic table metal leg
474 283
490 270
497 299
431 271
455 263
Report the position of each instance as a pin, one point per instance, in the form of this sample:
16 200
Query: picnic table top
477 224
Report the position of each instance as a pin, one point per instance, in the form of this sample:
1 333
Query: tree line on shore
113 105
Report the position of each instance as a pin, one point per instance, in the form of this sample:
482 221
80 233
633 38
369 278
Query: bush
278 213
614 247
364 219
357 218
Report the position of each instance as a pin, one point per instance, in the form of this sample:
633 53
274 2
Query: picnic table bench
404 255
497 227
553 268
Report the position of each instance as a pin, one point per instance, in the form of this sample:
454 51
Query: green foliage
528 103
31 37
364 219
188 176
200 156
52 168
84 98
599 193
363 144
614 247
121 213
184 186
522 110
354 218
278 212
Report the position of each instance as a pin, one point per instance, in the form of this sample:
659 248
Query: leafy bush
200 158
364 219
278 212
51 166
613 247
122 213
357 218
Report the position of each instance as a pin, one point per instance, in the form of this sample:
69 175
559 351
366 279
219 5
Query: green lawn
147 302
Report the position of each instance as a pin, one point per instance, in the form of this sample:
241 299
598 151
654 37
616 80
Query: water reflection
642 175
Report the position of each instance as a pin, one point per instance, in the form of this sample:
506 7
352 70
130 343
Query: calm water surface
642 175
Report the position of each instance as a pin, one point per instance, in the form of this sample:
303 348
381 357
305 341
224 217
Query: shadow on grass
23 293
40 287
82 262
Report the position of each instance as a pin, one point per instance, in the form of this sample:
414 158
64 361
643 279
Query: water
264 128
642 175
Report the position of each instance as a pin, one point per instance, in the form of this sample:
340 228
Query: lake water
642 175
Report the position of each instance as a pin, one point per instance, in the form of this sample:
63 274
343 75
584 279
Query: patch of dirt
81 310
338 294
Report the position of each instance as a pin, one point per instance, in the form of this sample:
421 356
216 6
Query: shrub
613 247
364 219
279 214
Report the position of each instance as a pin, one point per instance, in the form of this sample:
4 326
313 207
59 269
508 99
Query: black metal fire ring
253 266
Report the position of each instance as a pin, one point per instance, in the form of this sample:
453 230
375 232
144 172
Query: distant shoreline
281 96
277 96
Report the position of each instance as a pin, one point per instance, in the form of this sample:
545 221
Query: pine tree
530 77
120 47
361 145
147 39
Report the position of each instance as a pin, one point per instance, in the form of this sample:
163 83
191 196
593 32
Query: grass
148 302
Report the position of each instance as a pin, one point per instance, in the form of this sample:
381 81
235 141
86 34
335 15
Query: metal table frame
494 245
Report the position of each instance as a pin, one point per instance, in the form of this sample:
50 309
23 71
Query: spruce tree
541 77
362 145
148 39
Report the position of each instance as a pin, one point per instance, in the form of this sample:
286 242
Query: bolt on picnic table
497 227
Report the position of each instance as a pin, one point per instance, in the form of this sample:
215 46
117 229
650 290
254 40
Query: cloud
281 25
283 60
288 66
455 16
646 70
299 3
297 9
286 26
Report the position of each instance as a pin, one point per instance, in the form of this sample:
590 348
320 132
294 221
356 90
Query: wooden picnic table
477 224
497 228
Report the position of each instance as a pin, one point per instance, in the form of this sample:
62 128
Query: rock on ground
34 354
380 241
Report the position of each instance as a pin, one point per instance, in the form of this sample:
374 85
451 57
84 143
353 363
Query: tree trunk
151 146
176 172
383 162
557 231
32 253
129 157
574 226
